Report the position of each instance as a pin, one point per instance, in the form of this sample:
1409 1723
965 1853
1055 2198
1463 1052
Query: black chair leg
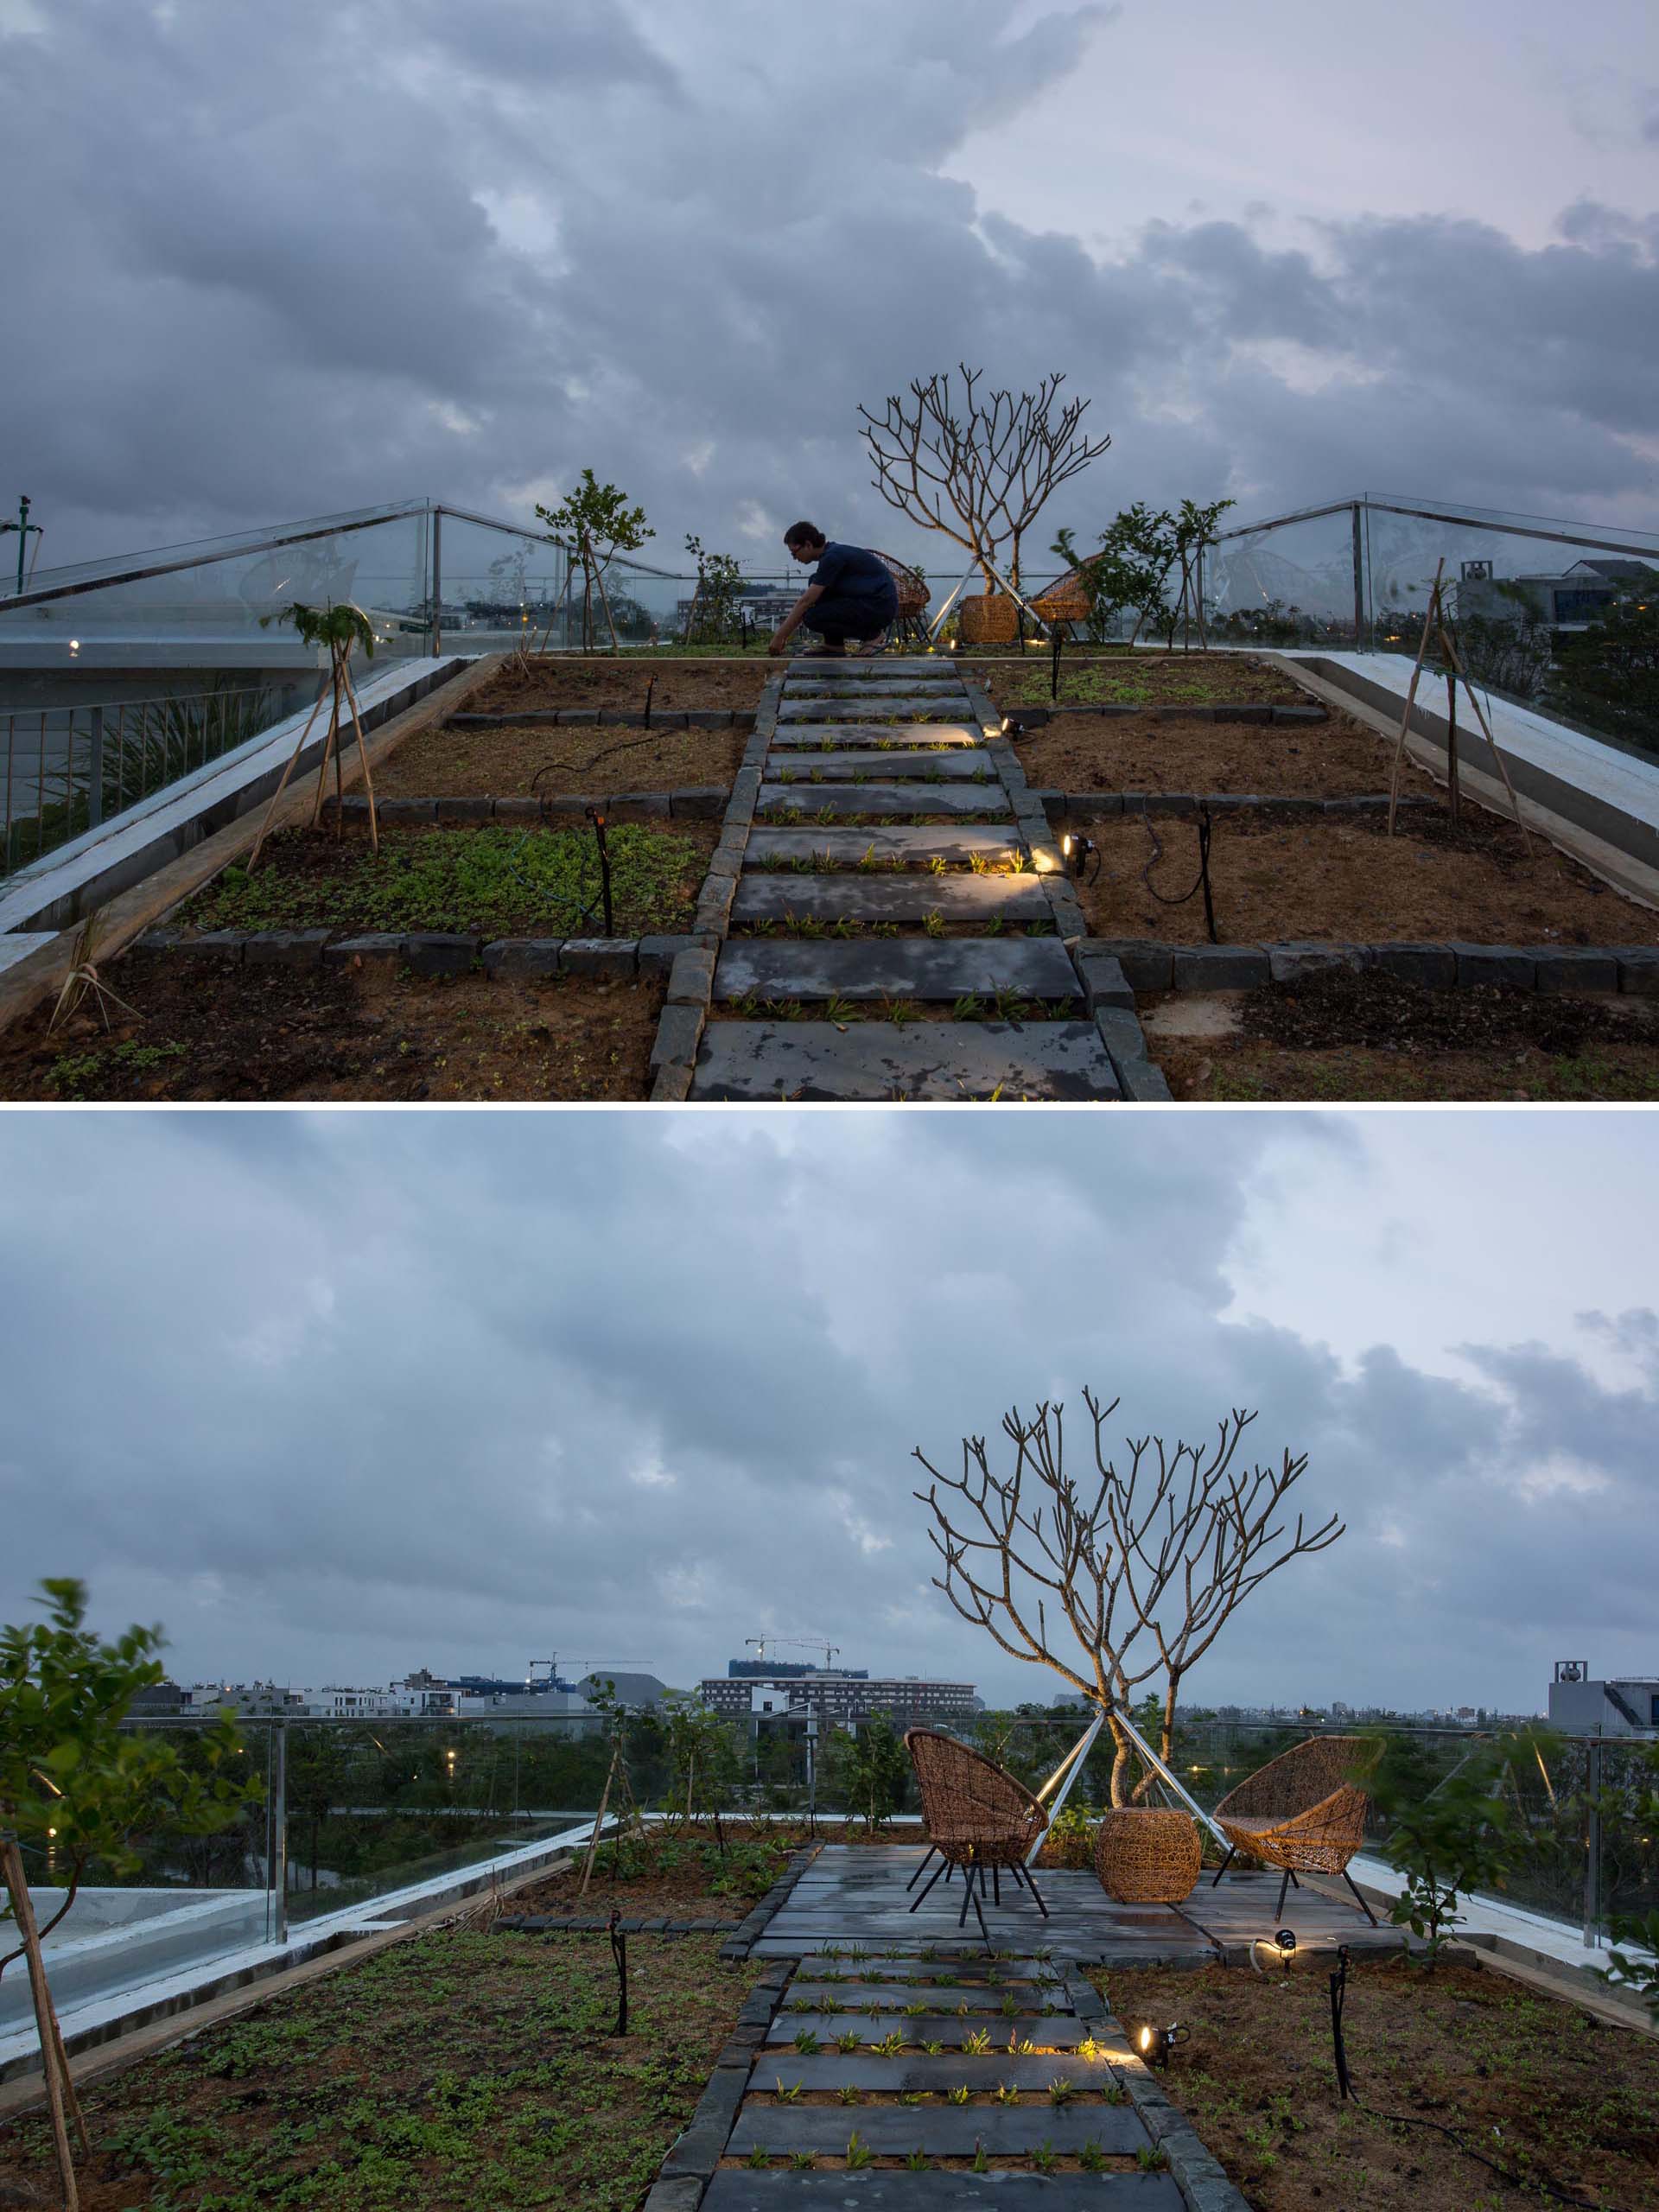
1283 1886
1224 1864
984 1932
1037 1894
943 1867
922 1869
996 1883
967 1898
1359 1900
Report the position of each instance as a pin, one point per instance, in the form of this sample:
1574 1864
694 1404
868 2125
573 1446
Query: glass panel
1285 584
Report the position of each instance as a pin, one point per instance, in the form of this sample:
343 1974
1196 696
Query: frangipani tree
593 524
1114 1578
341 628
78 1789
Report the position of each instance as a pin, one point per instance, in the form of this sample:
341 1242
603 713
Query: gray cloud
338 1395
469 254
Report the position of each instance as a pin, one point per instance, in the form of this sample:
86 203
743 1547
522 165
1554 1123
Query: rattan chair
1302 1811
1068 597
977 1816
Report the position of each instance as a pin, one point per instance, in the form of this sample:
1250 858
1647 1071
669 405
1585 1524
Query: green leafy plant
858 2153
960 2095
591 525
850 2094
1462 1836
807 2042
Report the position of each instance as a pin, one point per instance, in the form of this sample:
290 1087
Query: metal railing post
279 1830
1359 579
437 581
95 772
1592 1847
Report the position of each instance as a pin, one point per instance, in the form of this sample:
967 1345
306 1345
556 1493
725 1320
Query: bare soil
1156 678
1332 878
517 761
241 1033
573 680
1090 753
1527 2081
1373 1037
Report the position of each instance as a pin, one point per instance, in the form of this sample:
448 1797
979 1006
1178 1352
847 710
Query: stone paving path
957 2082
882 796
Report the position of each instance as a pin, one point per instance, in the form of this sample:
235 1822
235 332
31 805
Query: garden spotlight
1013 727
1155 2044
1286 1939
1077 848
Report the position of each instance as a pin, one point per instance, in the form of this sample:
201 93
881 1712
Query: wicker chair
1302 1812
977 1816
991 619
1067 599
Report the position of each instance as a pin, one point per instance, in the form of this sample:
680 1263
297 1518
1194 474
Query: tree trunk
46 2019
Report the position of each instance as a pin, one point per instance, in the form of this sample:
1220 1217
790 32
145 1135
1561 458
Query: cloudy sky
333 1395
294 259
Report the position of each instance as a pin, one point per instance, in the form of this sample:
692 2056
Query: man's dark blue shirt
851 572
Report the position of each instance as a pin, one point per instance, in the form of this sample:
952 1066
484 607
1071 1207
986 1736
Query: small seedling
966 1009
913 2097
791 2095
801 2162
1152 2158
758 2159
805 2004
996 926
849 2094
1091 2157
858 2153
890 2045
1009 2007
936 866
848 2041
981 2164
977 2042
916 2162
960 2095
1062 2089
915 2011
933 923
806 2043
1006 2094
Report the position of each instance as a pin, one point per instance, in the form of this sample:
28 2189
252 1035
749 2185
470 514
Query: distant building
1572 600
634 1690
248 1700
1627 1706
838 1697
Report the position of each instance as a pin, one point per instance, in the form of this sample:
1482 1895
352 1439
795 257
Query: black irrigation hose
1203 881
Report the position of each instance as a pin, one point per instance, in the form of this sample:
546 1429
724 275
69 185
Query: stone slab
941 2131
900 706
1058 2033
1495 963
1294 961
893 1997
441 952
1434 966
911 1966
1149 967
523 956
384 945
876 665
915 2071
912 844
1104 983
953 2190
924 1060
962 764
800 736
284 947
1638 970
1120 1032
1568 968
1220 967
612 959
888 896
901 800
928 967
677 1032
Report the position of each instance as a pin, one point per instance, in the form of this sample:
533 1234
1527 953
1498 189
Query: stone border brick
691 802
1140 1083
1294 961
1239 710
1150 966
1220 967
564 1924
610 717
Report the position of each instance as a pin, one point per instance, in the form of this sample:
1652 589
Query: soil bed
1331 879
333 1033
573 680
518 762
1084 753
1137 678
495 881
451 2071
1533 2084
1371 1036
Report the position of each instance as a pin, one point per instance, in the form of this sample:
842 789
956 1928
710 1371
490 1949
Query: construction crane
586 1665
831 1651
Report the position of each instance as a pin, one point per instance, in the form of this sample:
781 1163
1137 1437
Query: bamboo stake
599 1822
1453 794
331 740
1430 622
292 762
363 755
1456 659
605 601
11 1862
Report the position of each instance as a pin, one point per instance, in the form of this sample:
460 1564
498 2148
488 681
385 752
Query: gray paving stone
522 955
676 2193
913 844
441 952
885 896
386 946
679 1030
926 1060
1294 962
698 803
1220 967
1104 983
691 976
519 810
941 2131
962 764
1434 966
408 810
454 811
637 806
927 967
1149 967
213 944
1495 963
1056 2032
861 2069
1299 717
1140 1083
831 737
893 706
709 718
282 948
884 798
1567 968
610 959
671 1085
659 953
1638 970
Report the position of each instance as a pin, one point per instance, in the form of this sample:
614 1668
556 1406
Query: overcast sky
263 261
333 1395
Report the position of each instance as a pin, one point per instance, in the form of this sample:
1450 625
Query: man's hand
779 644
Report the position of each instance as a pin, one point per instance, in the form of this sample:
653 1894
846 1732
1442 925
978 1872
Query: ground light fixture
596 816
1076 849
1155 2044
1013 727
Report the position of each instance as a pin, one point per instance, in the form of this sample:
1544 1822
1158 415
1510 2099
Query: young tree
713 606
1143 1567
340 629
71 1780
593 524
868 1771
980 470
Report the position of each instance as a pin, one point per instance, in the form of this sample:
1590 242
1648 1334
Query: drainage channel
916 2082
894 866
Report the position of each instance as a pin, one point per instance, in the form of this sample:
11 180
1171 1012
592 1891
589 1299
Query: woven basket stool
989 621
1147 1854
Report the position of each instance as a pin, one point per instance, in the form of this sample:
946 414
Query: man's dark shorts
837 618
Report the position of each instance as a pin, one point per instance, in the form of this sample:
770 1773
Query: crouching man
852 595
